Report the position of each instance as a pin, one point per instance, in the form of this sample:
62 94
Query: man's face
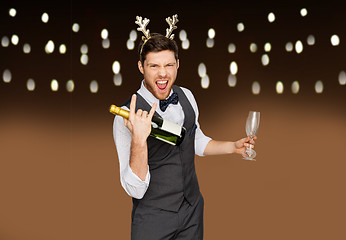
160 71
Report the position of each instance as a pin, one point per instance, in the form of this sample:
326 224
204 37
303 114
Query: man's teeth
162 82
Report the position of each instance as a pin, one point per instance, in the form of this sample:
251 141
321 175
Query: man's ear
177 63
140 67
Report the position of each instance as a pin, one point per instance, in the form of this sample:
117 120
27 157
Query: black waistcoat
172 168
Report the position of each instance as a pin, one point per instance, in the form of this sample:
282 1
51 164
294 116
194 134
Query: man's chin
163 94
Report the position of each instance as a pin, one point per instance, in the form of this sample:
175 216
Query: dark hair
156 43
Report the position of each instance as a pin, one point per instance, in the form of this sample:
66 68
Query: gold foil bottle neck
119 111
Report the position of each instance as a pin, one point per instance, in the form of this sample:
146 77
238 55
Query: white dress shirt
133 185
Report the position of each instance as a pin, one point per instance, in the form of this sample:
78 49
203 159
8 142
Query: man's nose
162 71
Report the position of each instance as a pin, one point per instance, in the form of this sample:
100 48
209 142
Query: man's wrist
139 142
233 147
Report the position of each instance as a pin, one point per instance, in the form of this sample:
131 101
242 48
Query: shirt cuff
134 180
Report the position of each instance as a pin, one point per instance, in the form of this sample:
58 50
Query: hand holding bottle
139 123
161 129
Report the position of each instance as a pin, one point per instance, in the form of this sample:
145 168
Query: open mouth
162 84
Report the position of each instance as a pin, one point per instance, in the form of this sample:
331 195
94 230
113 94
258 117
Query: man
161 178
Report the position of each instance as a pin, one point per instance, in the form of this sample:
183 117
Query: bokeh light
202 70
335 40
182 35
94 86
30 84
106 43
84 59
130 44
15 39
62 48
231 48
240 27
342 78
75 27
211 33
319 87
253 47
117 79
289 47
210 42
7 76
205 82
12 12
279 87
49 48
70 85
233 67
311 40
104 33
295 87
271 17
133 35
267 47
116 67
265 59
45 17
303 12
255 88
232 80
84 49
54 85
26 48
5 41
185 44
299 47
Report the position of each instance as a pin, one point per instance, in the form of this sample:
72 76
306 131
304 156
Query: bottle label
171 127
164 140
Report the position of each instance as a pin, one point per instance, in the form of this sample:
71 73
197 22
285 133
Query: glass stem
251 138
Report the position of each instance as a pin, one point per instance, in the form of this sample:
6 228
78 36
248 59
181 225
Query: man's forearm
139 159
219 147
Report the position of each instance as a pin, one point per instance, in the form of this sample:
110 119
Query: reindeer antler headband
144 22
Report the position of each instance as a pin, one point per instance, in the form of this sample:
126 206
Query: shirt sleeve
132 184
201 140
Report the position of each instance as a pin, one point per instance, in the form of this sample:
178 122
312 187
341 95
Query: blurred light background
62 63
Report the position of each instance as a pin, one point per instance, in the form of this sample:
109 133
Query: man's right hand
139 123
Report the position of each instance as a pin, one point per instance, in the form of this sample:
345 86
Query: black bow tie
172 99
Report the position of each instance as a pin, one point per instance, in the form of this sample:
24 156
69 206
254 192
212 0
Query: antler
171 23
142 25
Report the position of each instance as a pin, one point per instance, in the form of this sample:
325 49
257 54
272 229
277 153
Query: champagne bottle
161 129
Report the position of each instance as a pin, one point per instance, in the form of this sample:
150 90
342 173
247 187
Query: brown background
59 173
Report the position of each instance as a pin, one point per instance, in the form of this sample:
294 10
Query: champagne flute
252 124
